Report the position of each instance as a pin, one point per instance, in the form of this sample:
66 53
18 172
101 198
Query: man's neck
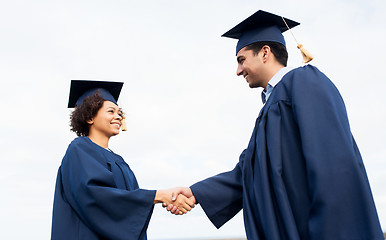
272 71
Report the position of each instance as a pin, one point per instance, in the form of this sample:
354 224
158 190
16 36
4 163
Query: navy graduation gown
302 176
97 196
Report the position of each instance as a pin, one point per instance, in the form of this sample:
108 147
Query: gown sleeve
337 182
89 187
221 196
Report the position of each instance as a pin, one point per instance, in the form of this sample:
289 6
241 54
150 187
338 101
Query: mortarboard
264 26
82 88
261 26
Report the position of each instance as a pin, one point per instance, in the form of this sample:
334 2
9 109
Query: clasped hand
178 200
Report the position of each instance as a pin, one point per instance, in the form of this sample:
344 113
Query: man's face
250 66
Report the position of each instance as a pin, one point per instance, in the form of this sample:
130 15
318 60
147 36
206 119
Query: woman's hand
178 191
174 197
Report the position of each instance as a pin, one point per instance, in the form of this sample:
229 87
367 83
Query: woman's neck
100 140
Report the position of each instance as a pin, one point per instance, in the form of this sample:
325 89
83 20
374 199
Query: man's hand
174 197
177 192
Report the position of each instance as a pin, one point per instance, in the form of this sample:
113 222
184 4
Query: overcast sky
189 115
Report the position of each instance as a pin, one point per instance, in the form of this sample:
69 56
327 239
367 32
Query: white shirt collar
279 75
275 80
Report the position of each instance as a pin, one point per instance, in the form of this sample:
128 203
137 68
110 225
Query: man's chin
251 85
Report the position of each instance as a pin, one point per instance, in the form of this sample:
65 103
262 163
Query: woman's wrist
159 196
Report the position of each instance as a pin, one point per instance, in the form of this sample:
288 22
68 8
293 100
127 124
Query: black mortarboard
82 88
261 26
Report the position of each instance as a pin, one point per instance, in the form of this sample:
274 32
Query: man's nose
239 70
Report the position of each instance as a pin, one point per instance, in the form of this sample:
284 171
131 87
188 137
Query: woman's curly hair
85 112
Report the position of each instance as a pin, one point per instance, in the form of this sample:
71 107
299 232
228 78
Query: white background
189 115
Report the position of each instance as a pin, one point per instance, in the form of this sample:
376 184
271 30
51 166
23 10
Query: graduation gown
302 176
97 196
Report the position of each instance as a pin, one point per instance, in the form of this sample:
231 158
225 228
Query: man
301 176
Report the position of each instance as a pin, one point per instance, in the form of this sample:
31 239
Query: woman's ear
91 121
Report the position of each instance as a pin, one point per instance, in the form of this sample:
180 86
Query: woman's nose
117 116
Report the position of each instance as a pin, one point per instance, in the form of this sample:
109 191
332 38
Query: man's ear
91 121
266 51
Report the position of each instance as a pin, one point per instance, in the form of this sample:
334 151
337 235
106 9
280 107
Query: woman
97 195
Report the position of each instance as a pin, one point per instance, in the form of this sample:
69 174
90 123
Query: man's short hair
278 50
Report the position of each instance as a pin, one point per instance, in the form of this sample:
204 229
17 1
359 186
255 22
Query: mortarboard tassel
123 120
307 57
124 126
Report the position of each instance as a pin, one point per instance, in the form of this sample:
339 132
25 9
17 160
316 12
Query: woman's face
107 120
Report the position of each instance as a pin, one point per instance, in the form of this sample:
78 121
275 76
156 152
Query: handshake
177 200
